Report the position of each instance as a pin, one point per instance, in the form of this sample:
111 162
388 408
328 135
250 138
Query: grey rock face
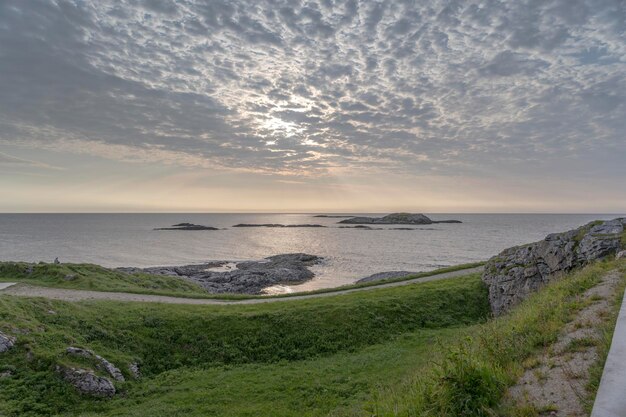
86 382
102 363
516 272
249 277
385 275
6 342
396 218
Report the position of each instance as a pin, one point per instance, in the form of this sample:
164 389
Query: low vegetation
182 339
472 377
418 350
95 277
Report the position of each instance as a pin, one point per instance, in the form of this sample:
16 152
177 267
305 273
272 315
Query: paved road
25 290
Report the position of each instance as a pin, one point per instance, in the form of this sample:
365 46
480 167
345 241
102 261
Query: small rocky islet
396 218
187 226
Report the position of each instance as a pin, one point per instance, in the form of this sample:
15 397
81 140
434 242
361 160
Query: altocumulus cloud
310 87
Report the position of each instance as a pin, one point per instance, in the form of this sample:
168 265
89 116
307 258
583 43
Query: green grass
332 385
416 350
473 376
97 278
181 339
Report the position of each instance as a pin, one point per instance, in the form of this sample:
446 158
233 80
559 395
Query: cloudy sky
321 105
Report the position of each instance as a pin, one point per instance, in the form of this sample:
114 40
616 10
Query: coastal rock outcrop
518 271
396 218
87 382
249 277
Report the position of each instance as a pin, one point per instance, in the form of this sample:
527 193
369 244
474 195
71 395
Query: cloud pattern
321 87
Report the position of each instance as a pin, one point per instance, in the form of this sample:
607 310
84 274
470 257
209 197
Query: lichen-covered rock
102 363
87 382
516 272
134 370
6 342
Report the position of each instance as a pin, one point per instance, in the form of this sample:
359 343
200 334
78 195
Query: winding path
25 290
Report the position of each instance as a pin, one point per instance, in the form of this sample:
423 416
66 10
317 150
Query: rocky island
276 225
187 226
396 218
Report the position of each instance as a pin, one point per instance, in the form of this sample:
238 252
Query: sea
114 240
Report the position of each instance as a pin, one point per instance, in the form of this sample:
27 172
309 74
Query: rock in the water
187 226
385 275
102 363
361 227
396 218
276 225
6 342
516 272
333 216
621 254
87 382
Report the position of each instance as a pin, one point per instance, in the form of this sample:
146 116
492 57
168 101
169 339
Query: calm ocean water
129 240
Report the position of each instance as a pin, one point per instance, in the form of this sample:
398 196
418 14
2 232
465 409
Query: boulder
6 342
518 271
133 368
621 255
102 363
87 382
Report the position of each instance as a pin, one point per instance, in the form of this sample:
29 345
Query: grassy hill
417 350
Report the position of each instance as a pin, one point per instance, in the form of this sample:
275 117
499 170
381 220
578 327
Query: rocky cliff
516 272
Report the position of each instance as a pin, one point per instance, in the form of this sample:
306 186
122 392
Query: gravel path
25 290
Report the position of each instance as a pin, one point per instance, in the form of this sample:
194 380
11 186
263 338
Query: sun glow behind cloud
321 93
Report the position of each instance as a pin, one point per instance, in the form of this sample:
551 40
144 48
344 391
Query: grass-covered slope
418 350
95 277
191 340
472 376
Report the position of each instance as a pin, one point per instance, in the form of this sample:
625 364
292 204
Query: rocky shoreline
249 277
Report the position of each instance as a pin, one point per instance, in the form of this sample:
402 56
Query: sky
313 106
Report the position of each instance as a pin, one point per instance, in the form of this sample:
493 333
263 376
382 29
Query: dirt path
556 385
25 290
